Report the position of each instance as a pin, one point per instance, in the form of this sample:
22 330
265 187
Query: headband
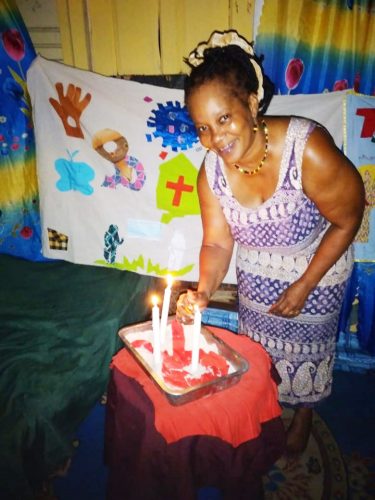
220 39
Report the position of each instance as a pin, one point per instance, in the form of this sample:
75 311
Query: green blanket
58 332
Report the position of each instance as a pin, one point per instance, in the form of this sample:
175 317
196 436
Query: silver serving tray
177 396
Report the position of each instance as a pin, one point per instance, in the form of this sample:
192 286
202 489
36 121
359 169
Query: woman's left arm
332 182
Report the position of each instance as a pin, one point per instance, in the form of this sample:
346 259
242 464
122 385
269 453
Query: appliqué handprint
69 107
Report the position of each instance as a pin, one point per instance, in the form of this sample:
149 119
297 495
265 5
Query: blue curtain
361 289
315 46
19 206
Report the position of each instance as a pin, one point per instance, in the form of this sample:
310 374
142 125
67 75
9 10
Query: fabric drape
19 205
314 47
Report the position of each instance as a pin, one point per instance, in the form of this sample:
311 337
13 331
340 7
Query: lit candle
156 332
165 310
196 337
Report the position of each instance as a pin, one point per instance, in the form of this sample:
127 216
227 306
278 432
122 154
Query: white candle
156 332
196 337
165 310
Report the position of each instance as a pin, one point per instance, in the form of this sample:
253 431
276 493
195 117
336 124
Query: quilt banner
359 147
117 166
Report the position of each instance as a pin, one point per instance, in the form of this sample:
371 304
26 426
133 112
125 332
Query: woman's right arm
215 254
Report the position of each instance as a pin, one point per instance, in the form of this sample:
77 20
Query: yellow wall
149 37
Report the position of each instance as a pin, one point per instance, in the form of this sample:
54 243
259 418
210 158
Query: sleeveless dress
275 243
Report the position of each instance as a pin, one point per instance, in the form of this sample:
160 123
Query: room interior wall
41 19
142 37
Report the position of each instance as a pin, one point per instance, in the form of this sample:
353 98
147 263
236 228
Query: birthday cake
176 356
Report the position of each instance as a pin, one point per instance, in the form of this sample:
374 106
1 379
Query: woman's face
224 123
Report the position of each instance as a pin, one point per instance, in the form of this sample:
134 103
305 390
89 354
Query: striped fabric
314 46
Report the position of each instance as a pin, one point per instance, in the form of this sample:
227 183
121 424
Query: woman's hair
231 65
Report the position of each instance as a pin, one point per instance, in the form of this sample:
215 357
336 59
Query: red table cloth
155 450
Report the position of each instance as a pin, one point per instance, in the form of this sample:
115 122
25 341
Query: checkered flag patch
57 241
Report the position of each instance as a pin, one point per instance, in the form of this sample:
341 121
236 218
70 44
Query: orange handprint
69 107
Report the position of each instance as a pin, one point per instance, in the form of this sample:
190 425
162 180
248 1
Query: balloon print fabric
19 207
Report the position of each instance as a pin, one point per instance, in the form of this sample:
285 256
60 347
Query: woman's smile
227 149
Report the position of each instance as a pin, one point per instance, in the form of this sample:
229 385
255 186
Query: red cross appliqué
179 188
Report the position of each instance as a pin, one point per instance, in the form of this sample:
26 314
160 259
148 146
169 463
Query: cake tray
177 396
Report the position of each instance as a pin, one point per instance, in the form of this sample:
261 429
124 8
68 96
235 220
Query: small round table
228 440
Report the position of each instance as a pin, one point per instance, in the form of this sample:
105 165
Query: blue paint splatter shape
174 125
75 176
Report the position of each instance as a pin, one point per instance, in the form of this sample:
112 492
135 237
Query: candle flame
154 300
169 280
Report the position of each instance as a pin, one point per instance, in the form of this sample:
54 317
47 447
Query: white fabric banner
117 166
359 146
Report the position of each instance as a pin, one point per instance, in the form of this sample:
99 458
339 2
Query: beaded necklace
256 170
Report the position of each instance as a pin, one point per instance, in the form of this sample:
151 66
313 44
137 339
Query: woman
279 188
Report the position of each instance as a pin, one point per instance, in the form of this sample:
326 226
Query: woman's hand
185 305
291 301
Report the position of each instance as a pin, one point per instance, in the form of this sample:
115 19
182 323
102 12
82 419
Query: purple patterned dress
275 243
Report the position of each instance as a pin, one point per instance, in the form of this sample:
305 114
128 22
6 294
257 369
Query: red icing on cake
142 343
176 367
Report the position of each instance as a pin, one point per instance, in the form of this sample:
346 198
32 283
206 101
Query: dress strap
299 131
211 165
216 177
